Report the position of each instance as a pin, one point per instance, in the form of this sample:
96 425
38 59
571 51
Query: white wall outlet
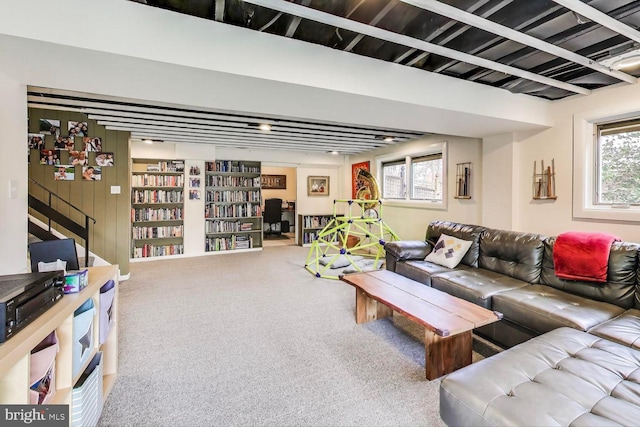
115 189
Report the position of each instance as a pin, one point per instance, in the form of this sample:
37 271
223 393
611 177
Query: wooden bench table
448 320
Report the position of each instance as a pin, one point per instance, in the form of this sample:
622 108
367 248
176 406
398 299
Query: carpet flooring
253 339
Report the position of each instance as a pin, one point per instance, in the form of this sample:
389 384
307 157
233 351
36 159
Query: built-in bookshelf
157 208
233 212
310 226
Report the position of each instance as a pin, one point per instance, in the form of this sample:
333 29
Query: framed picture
357 184
318 186
91 173
64 173
274 182
49 127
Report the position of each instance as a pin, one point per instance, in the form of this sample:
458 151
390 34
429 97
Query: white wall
14 172
555 217
498 157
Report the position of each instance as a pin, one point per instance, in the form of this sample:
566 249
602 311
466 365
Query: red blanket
582 256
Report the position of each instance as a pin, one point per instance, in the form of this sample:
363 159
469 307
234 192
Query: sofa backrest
471 233
512 253
622 276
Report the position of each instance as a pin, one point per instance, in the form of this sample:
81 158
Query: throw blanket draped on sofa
582 256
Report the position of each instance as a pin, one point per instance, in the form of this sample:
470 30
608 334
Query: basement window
416 179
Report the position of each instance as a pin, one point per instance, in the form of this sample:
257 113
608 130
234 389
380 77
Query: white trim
584 143
435 148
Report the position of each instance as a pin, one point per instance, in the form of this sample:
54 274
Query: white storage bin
83 342
42 370
107 294
87 395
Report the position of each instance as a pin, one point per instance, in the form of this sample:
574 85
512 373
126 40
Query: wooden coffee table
448 320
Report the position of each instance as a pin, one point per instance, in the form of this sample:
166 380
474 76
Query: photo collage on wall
194 182
65 164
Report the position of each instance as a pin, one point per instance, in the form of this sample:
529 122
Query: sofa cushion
543 308
471 233
515 254
621 278
475 284
623 329
448 251
421 271
562 378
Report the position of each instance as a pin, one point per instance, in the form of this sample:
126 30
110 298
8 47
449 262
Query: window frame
585 146
408 156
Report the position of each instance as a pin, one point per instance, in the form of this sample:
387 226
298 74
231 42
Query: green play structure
356 240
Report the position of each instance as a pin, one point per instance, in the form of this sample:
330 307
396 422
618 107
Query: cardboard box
75 281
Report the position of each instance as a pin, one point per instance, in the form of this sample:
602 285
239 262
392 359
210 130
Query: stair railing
53 215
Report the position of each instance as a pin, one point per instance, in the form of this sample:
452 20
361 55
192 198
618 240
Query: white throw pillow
449 251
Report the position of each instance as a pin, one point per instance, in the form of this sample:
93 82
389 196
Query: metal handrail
85 230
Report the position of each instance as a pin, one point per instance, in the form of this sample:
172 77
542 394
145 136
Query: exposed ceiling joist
601 18
525 39
385 10
347 24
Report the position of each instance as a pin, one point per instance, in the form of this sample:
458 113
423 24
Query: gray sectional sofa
576 359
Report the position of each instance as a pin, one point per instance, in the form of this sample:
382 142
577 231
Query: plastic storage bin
83 341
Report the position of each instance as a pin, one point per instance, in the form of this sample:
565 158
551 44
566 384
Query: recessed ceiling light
334 152
147 141
265 127
388 139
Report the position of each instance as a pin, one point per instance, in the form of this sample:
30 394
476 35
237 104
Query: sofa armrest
408 249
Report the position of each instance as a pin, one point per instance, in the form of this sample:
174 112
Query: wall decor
194 194
49 127
91 173
544 182
104 159
463 181
194 182
78 158
274 182
78 128
50 157
64 143
36 141
318 186
356 183
92 144
64 173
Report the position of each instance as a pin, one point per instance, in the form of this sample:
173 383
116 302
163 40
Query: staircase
53 215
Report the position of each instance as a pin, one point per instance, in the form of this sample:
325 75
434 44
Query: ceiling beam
385 10
336 21
525 39
601 18
219 10
295 21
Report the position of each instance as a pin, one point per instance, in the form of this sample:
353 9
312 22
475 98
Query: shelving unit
15 353
233 212
544 182
157 208
463 181
309 226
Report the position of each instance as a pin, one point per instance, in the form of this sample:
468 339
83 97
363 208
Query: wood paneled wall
110 235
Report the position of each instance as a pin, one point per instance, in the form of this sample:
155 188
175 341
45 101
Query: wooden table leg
368 309
444 355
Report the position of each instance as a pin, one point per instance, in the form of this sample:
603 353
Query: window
617 174
414 178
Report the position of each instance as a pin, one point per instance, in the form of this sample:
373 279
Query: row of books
232 196
316 221
228 243
233 211
149 250
232 166
170 166
148 180
156 232
156 214
310 237
156 196
231 181
227 226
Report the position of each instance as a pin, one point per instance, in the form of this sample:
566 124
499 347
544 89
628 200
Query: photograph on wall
194 194
194 182
91 173
356 182
78 158
49 127
92 144
318 186
64 143
104 159
50 157
194 170
64 173
36 141
78 128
